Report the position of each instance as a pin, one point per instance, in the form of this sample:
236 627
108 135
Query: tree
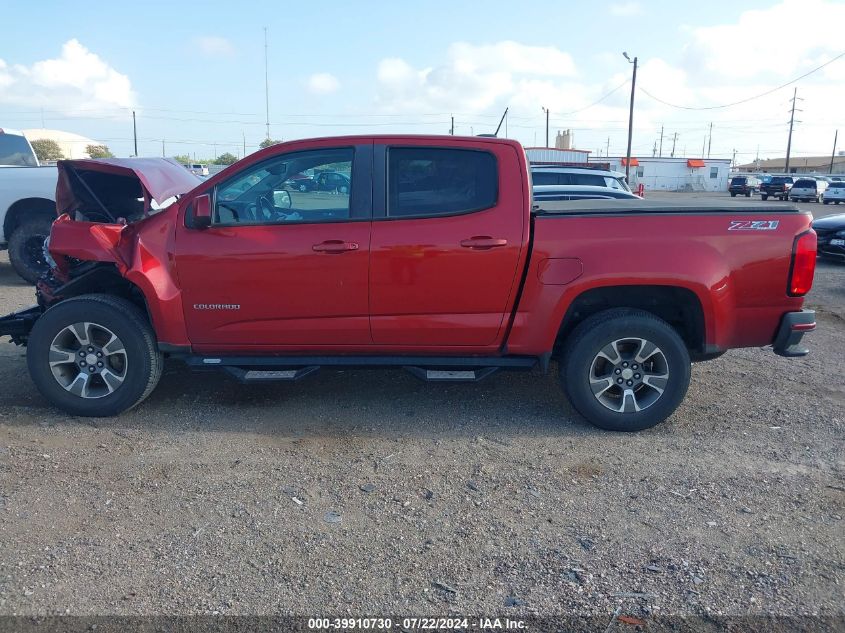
225 159
99 151
47 149
183 159
267 142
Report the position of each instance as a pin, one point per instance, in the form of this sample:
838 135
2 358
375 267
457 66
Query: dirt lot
486 499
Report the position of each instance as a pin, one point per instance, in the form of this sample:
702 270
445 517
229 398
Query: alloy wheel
88 360
629 374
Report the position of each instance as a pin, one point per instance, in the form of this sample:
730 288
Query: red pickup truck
431 257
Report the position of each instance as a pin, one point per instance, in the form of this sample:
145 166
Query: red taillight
803 265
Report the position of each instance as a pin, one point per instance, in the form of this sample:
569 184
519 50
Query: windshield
15 151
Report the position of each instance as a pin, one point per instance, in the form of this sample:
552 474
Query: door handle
483 242
335 246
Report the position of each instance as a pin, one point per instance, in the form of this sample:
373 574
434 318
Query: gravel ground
370 493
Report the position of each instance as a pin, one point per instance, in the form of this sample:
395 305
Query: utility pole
266 86
709 139
607 153
162 148
135 132
833 153
452 129
733 160
791 123
546 110
703 145
630 117
674 140
660 151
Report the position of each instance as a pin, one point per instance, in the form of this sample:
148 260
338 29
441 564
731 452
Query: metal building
674 174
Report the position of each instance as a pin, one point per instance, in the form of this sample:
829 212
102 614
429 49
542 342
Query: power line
763 94
598 101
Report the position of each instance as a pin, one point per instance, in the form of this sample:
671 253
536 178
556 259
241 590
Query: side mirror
282 200
202 212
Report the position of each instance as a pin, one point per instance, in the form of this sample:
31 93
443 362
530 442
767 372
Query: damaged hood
160 178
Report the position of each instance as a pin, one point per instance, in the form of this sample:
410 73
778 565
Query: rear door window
591 180
427 181
546 178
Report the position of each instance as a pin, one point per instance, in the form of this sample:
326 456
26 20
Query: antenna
498 127
266 86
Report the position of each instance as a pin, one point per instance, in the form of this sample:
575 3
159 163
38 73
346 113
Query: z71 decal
753 225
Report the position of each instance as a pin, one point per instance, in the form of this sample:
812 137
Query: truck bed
582 207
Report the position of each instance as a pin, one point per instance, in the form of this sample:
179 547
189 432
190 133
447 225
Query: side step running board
270 375
451 375
291 368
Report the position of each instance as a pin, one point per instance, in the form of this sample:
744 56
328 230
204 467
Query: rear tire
733 195
764 197
26 248
113 336
634 346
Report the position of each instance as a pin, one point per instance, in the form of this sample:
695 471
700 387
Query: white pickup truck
27 204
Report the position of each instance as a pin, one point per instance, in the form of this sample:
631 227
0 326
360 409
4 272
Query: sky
194 73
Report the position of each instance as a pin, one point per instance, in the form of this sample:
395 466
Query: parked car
579 192
436 262
744 186
777 187
332 181
581 176
835 192
196 169
300 182
27 205
806 189
831 235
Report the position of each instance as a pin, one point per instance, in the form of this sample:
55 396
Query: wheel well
102 278
679 307
25 209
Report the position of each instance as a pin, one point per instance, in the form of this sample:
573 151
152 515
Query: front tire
94 355
26 248
625 369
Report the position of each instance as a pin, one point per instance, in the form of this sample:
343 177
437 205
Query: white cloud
473 78
76 80
625 9
768 41
214 46
323 83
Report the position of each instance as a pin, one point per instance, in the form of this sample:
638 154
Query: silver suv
807 189
584 176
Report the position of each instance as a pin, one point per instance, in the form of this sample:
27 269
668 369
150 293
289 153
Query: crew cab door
447 239
280 267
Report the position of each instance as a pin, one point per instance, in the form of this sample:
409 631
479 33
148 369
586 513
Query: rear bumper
792 328
18 324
